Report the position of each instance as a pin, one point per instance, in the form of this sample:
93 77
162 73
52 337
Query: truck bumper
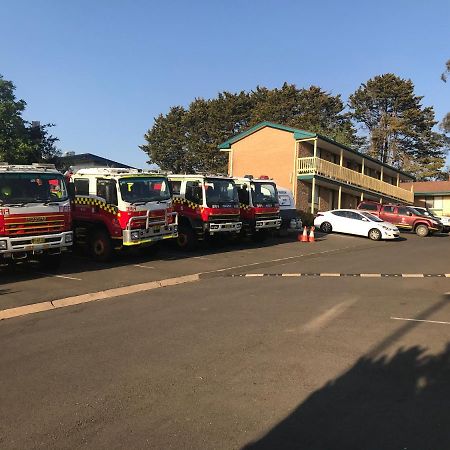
263 224
153 234
226 227
26 246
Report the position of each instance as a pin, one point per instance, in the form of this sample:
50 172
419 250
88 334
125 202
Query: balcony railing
327 169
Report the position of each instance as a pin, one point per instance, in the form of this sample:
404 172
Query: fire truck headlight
3 245
68 238
135 235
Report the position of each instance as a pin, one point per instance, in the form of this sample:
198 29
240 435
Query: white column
339 197
313 194
381 174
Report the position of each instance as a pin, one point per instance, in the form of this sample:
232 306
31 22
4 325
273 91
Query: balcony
327 169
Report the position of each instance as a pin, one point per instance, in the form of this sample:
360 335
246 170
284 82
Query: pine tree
400 128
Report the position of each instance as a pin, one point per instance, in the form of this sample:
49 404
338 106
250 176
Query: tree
309 109
186 140
20 141
400 128
445 124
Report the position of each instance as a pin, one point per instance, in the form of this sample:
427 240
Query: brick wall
303 196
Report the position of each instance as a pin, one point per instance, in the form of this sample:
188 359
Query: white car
360 223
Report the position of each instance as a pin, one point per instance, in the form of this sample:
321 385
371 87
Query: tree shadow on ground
381 403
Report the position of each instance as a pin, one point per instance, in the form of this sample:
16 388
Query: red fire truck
35 217
121 208
258 201
207 206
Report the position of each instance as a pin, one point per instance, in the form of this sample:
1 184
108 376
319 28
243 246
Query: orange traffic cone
304 236
311 235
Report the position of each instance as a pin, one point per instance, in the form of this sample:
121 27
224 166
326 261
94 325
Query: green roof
302 134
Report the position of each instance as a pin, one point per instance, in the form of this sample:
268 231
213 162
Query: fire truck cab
35 217
207 205
121 208
258 201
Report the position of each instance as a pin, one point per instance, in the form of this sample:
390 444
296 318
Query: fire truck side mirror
71 190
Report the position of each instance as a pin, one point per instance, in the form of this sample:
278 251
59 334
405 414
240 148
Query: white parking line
420 320
201 257
143 267
60 276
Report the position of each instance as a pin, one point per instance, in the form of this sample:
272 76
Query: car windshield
220 192
264 193
371 217
144 189
415 211
22 188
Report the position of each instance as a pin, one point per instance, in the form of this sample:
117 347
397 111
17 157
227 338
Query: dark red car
403 217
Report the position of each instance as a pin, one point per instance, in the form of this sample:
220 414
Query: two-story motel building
321 173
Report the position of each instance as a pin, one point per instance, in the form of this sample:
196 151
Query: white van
288 213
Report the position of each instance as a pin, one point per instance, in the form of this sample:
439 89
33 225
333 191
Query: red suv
403 217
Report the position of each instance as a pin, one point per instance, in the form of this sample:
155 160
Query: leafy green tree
400 129
20 141
186 140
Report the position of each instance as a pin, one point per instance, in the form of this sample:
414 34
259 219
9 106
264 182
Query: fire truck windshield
144 189
220 192
23 188
264 193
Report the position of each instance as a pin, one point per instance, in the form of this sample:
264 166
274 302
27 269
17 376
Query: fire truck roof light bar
28 168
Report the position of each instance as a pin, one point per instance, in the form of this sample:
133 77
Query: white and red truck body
35 212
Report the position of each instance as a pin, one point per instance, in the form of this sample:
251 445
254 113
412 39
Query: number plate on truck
38 240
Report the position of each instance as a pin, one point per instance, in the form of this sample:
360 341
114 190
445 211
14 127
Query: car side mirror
365 219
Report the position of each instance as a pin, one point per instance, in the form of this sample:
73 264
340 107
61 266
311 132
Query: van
289 217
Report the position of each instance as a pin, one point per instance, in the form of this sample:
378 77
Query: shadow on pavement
380 403
78 261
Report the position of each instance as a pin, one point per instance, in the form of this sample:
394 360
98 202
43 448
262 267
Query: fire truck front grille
223 218
262 216
34 225
27 241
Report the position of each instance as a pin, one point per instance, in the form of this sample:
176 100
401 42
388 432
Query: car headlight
3 245
135 235
68 238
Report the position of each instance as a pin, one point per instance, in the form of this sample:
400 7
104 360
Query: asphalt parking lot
342 343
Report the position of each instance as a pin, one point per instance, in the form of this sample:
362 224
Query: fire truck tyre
51 261
259 236
186 238
422 230
374 234
100 246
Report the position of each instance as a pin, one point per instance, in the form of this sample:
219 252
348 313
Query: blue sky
102 70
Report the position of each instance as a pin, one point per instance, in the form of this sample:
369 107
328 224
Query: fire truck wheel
186 238
50 261
100 246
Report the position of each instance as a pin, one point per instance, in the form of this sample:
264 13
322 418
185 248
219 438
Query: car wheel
326 227
422 230
375 234
100 246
